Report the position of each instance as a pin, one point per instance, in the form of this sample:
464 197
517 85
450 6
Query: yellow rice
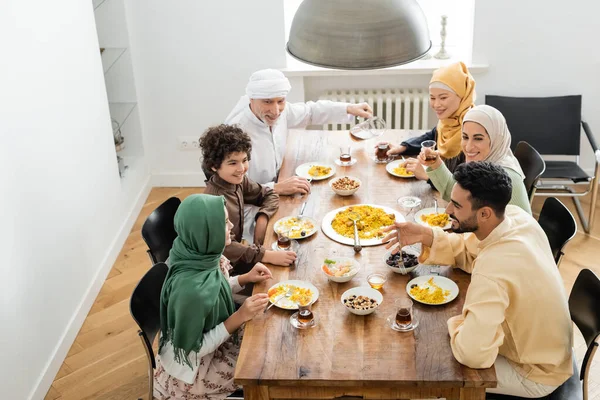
429 293
372 220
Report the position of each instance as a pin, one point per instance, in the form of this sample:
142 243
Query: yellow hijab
457 77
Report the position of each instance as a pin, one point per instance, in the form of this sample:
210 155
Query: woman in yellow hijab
451 95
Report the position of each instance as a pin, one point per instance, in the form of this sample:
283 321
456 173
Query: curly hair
489 185
219 141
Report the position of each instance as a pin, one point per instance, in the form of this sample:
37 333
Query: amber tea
283 242
345 158
403 317
305 316
381 153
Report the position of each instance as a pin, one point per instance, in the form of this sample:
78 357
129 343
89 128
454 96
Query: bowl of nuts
361 300
403 261
345 186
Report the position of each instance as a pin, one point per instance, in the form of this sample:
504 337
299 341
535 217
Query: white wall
63 208
192 60
541 48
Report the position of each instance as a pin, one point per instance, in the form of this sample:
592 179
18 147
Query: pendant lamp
353 34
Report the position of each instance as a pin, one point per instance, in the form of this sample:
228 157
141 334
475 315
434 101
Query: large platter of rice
373 218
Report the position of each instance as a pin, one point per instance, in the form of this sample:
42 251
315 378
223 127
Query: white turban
267 84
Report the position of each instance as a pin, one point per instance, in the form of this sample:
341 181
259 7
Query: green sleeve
519 193
442 179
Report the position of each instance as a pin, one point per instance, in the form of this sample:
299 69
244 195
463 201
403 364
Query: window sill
297 68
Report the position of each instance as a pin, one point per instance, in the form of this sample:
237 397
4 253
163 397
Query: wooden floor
107 360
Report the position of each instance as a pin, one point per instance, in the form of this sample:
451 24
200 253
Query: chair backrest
158 230
532 164
558 223
145 304
584 305
552 125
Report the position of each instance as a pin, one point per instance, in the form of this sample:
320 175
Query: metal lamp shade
352 34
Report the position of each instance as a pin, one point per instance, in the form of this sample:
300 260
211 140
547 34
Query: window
459 28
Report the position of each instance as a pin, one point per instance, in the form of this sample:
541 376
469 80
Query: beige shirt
516 305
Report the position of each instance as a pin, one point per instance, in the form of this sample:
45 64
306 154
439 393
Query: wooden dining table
346 355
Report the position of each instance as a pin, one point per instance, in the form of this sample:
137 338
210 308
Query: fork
286 294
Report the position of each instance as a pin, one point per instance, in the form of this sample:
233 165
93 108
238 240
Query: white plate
393 165
332 234
315 224
431 210
441 281
285 303
302 170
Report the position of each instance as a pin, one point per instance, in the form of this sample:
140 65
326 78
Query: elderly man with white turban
265 116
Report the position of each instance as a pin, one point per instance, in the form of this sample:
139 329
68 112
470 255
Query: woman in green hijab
200 328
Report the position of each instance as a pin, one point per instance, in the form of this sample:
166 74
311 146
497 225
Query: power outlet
188 143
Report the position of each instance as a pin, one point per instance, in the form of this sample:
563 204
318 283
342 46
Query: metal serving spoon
355 217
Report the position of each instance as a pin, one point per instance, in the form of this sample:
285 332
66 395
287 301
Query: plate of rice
300 292
315 170
298 228
432 290
428 217
373 218
395 168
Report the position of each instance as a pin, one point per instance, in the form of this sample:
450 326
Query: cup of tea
376 281
304 318
345 155
283 239
381 153
429 144
404 320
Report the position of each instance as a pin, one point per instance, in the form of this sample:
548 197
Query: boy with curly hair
226 153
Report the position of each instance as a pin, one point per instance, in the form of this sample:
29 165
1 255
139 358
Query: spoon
355 217
436 208
286 294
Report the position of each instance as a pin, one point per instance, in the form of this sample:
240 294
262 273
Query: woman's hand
413 165
394 149
253 306
426 158
258 273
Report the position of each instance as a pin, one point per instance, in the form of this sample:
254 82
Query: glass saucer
299 325
294 246
347 164
391 322
378 161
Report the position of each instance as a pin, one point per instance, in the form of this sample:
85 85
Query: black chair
532 164
584 305
158 230
559 224
145 310
552 125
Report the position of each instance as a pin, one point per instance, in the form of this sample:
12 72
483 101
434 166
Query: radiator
399 108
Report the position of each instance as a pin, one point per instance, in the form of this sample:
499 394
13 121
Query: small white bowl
412 249
345 192
362 291
342 279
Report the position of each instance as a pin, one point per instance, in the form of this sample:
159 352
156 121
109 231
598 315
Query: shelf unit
113 38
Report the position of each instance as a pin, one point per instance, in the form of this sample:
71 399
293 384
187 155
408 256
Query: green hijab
196 296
